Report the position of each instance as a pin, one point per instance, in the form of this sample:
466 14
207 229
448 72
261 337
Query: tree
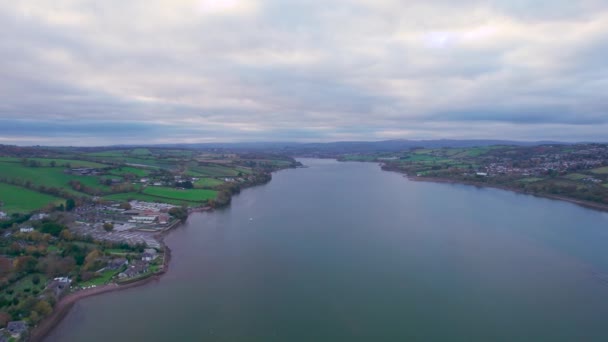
26 264
43 308
54 265
36 279
92 260
125 206
70 204
53 163
52 228
4 318
179 213
108 227
66 235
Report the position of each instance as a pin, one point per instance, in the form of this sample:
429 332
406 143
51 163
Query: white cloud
356 69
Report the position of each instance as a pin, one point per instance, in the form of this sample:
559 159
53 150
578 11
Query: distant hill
345 147
299 149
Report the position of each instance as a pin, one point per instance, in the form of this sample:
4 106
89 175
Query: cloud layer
107 72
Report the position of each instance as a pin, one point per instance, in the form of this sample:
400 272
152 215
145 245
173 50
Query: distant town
575 172
81 221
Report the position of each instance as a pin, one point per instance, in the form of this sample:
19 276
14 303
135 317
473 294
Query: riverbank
65 304
586 204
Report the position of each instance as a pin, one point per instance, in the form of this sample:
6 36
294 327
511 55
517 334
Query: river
348 252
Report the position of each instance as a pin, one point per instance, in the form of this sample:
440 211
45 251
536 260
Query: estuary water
348 252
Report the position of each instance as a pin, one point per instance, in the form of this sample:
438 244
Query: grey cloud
303 70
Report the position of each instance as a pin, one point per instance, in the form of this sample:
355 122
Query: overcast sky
146 71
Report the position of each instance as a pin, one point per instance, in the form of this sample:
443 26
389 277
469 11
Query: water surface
348 252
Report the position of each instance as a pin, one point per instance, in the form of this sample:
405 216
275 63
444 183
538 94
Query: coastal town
80 223
574 172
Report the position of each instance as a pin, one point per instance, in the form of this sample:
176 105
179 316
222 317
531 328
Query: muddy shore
62 308
586 204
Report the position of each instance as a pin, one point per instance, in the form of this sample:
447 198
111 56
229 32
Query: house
58 286
117 263
136 268
83 171
163 218
3 215
26 229
39 216
482 174
16 328
63 280
143 219
148 256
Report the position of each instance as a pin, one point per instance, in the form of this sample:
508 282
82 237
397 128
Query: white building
39 216
3 215
63 279
26 229
143 219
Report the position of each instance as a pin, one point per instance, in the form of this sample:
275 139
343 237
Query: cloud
93 72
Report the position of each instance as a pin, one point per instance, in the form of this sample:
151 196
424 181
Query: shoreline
65 304
582 203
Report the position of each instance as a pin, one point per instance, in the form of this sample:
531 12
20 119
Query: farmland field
196 195
129 170
48 177
576 176
26 285
74 163
208 182
147 198
601 170
215 171
21 200
530 180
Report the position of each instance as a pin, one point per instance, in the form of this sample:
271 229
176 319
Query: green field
24 285
48 177
121 171
576 176
601 170
74 163
21 200
194 195
141 151
111 153
127 196
214 171
530 180
207 182
103 278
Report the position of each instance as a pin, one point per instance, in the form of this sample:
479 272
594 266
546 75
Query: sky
79 72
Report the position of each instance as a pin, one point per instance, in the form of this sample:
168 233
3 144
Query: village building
3 215
163 218
39 216
149 254
16 328
26 229
117 263
136 268
83 171
58 286
144 219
